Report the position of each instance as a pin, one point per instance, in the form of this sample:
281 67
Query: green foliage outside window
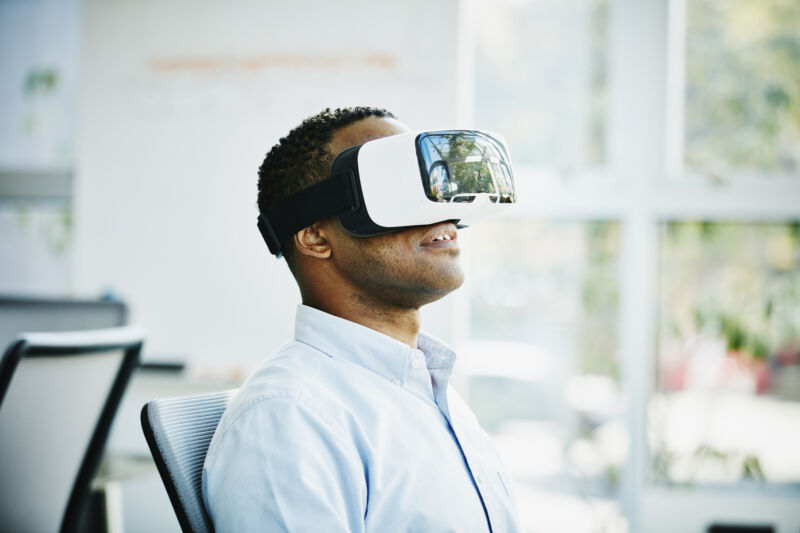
743 85
728 354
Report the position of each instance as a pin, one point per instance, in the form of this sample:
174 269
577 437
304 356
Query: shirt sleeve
283 465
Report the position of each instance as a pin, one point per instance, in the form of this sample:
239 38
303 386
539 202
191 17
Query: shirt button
416 363
396 381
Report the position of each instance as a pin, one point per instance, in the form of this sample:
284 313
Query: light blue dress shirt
347 429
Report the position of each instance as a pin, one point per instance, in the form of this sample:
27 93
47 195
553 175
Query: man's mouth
441 236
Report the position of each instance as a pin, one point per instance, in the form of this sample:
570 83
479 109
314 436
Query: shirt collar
387 357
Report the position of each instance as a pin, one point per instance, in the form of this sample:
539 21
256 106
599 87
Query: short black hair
302 159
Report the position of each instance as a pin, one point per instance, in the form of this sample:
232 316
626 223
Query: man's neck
402 324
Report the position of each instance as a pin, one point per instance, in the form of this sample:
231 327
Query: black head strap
334 195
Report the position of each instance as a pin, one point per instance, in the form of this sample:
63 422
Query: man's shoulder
295 374
290 368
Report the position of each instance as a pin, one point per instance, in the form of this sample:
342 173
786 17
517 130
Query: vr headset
405 180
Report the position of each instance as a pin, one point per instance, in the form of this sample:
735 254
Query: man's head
304 157
407 268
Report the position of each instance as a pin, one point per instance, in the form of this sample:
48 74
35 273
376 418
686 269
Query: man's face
408 268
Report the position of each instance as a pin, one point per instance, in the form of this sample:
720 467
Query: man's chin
447 282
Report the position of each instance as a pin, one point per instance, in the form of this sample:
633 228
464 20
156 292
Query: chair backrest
58 396
178 431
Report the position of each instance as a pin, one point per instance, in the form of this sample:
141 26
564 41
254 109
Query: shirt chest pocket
502 476
482 456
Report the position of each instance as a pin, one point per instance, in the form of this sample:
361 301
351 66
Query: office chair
58 396
178 431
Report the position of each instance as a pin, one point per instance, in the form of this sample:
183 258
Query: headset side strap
331 196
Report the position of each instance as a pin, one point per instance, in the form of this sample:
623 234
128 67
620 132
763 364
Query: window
540 79
600 102
39 64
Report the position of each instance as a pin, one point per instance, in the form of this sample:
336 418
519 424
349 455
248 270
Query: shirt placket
480 475
478 481
438 394
419 380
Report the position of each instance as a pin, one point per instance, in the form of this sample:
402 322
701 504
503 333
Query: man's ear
313 242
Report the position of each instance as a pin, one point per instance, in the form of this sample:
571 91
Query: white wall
179 102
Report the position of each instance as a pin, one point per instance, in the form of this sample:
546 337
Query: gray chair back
178 431
58 396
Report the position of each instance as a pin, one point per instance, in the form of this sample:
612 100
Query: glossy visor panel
460 166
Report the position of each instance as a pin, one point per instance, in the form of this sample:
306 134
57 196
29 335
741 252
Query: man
352 426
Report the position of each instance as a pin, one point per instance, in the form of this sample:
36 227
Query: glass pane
727 402
36 243
540 72
541 368
39 66
743 85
